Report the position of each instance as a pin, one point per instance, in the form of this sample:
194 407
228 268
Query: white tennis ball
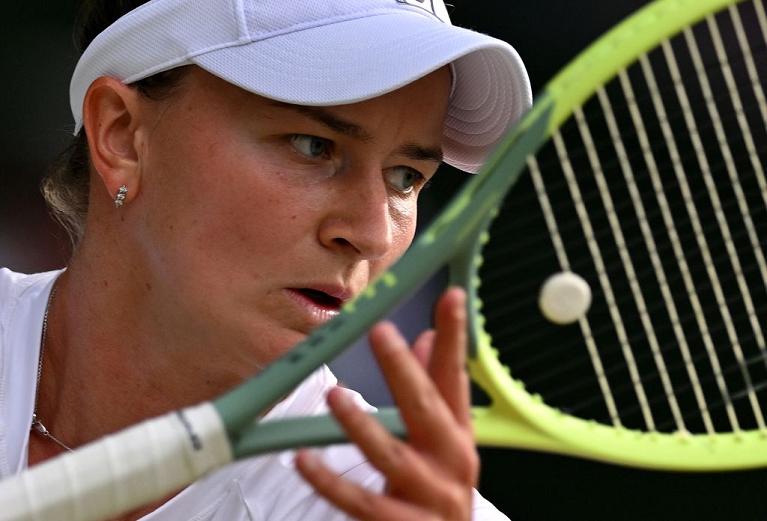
565 297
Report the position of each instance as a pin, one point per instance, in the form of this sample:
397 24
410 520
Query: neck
107 366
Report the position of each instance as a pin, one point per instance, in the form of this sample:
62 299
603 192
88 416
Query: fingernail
341 400
309 460
459 303
457 292
386 338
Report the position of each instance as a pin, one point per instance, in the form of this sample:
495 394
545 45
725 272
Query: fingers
422 347
416 484
418 400
446 350
447 366
431 475
393 457
435 405
353 499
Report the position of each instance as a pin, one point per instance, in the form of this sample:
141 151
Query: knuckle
422 405
472 463
364 506
467 462
353 417
456 502
397 455
399 359
450 500
470 467
323 481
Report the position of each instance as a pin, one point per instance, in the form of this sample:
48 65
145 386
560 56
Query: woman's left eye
311 146
404 179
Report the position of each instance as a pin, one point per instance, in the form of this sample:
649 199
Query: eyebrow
417 152
409 150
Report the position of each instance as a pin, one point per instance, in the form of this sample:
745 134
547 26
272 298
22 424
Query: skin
235 204
429 477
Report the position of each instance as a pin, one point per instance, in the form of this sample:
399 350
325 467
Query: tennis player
239 170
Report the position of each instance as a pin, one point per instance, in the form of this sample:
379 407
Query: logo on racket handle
435 7
194 438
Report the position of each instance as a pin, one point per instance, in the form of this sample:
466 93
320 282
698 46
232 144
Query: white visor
320 53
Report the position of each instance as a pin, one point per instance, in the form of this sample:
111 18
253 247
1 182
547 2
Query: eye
311 146
404 179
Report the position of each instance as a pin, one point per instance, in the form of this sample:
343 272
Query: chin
270 350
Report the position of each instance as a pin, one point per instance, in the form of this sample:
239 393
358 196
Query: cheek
404 217
219 205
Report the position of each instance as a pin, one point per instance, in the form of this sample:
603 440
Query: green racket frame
515 418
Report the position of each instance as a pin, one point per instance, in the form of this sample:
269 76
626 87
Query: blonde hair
67 184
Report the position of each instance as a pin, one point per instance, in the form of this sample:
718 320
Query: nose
359 221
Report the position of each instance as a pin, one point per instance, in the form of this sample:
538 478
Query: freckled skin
230 214
235 204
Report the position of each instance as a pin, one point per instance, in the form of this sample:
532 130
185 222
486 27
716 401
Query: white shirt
262 488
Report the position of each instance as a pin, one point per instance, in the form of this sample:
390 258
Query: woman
239 171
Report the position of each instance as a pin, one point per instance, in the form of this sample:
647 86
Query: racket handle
120 472
311 431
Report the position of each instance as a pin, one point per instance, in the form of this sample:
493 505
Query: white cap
321 52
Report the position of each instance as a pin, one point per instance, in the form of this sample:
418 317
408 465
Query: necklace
37 425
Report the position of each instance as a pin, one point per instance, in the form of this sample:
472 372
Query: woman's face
255 220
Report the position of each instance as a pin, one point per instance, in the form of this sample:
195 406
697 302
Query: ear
112 122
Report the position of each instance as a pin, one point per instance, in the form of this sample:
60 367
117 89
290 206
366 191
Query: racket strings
684 235
624 388
705 70
503 305
527 336
715 198
726 402
656 352
655 192
496 307
678 250
695 195
539 364
748 55
561 184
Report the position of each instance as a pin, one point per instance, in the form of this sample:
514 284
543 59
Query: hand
429 476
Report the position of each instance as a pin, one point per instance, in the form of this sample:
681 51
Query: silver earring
120 197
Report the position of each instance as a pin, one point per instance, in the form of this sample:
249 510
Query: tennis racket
640 167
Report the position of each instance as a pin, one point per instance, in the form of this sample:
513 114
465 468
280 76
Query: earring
120 197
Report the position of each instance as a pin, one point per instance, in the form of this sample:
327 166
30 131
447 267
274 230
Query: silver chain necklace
37 425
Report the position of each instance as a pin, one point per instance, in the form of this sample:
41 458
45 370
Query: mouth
320 298
318 305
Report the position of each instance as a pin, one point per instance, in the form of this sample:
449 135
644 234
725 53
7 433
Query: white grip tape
121 472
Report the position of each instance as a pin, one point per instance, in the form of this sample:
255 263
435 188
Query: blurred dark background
38 57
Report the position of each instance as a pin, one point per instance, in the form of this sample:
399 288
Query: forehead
419 107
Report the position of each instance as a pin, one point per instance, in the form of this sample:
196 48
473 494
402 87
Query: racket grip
120 472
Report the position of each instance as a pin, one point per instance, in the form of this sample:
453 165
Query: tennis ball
564 298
